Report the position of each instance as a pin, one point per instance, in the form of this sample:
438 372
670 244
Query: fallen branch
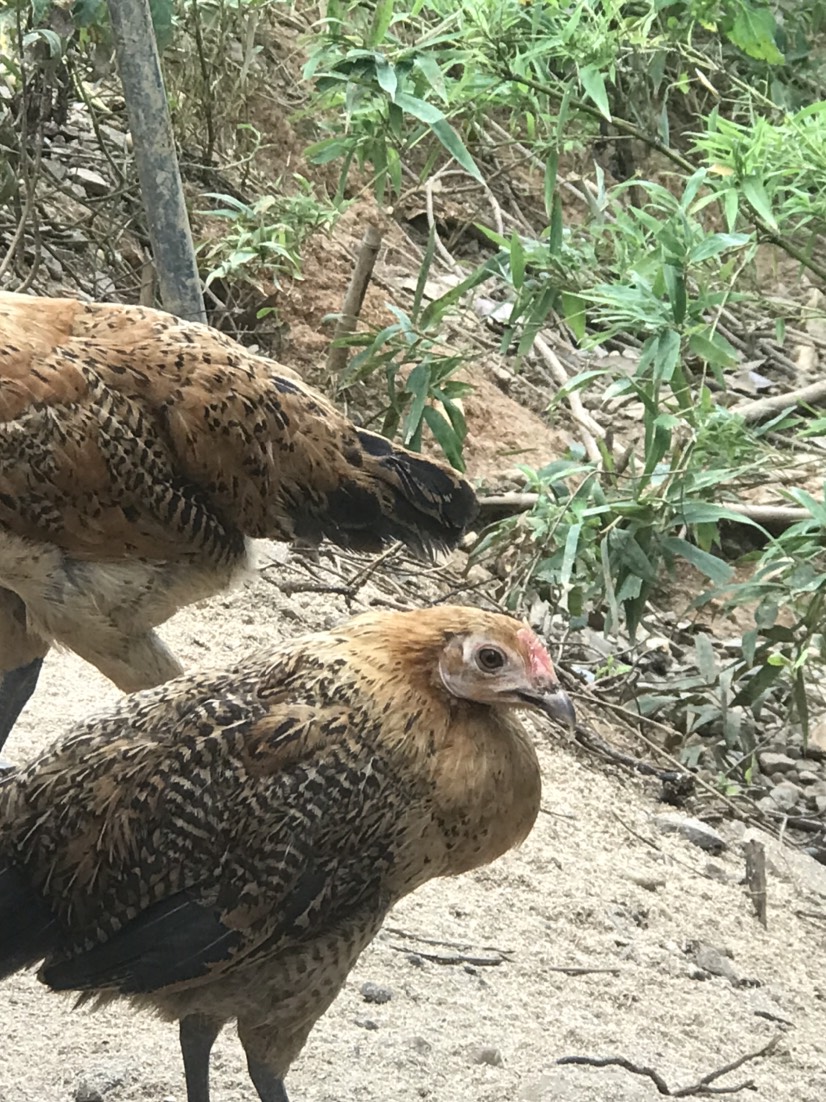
702 1086
770 516
760 409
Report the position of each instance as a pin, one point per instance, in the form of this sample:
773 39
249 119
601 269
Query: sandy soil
586 890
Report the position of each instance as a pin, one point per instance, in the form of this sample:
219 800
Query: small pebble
365 1023
487 1054
375 993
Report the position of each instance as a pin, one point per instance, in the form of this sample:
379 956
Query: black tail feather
175 940
394 494
28 929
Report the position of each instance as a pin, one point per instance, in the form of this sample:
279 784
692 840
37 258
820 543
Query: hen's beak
554 702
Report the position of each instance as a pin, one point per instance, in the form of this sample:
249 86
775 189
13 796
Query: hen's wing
126 431
200 825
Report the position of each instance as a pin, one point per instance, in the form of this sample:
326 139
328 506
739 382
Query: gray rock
375 993
786 795
487 1054
693 830
365 1023
100 1081
807 776
775 763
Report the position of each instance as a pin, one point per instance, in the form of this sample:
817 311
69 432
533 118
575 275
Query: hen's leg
16 686
269 1087
197 1038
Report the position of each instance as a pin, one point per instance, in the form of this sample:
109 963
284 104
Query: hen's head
470 654
499 661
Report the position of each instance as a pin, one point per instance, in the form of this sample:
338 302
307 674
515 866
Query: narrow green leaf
386 76
447 439
569 554
430 69
714 568
424 271
715 244
517 261
593 83
668 354
755 193
712 347
444 132
555 229
573 311
815 507
382 18
551 169
731 207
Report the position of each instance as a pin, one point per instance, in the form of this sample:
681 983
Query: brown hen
139 453
225 846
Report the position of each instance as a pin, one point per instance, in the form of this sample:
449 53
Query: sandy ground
586 890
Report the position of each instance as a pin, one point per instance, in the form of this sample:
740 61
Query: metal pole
156 159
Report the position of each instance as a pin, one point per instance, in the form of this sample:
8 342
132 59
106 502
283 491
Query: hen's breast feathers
125 428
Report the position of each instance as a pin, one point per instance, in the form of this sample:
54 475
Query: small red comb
541 664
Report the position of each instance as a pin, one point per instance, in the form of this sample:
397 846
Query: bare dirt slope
584 891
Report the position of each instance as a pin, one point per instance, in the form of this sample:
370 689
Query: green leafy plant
787 645
264 238
418 373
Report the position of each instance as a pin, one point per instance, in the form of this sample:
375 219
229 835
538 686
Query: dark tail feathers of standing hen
393 495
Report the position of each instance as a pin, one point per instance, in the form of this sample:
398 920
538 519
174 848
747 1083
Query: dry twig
701 1087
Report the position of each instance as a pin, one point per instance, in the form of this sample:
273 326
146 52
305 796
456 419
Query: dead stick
354 299
762 408
755 853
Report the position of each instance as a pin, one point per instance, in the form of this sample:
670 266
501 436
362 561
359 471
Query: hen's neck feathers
482 763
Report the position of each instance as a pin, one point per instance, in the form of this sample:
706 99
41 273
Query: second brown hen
225 846
140 453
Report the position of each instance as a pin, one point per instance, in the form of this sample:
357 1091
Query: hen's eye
490 659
